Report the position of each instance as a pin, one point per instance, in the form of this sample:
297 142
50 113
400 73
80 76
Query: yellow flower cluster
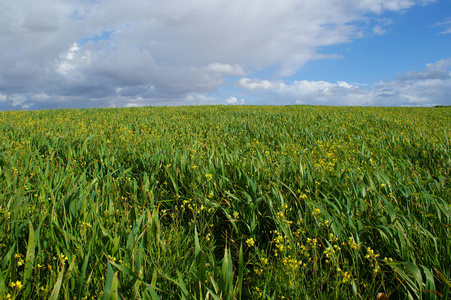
7 215
316 211
62 257
347 276
386 260
279 242
250 242
259 269
83 224
353 244
17 285
332 238
328 253
370 254
372 257
303 196
313 243
291 263
19 257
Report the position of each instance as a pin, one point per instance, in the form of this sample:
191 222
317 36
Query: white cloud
68 64
379 30
428 87
58 48
437 70
19 100
326 93
232 100
225 69
199 99
258 84
446 25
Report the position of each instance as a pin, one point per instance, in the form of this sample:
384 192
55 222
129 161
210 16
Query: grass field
226 202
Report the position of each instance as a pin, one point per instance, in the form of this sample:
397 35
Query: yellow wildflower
250 242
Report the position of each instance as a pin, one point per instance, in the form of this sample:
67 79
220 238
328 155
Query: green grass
225 202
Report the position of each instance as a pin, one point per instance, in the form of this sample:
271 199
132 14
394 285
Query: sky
126 53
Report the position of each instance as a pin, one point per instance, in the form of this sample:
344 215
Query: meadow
226 202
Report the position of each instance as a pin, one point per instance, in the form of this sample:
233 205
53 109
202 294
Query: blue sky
122 53
409 43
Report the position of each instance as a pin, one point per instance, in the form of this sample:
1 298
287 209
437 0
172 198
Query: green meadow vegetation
226 202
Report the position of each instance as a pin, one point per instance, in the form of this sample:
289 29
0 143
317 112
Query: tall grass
225 203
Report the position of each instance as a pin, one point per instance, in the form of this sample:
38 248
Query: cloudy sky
121 53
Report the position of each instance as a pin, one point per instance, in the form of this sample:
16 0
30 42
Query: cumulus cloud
428 87
437 70
340 93
234 100
133 52
19 101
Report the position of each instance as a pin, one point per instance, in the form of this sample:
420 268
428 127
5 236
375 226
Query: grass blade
107 289
29 260
56 289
